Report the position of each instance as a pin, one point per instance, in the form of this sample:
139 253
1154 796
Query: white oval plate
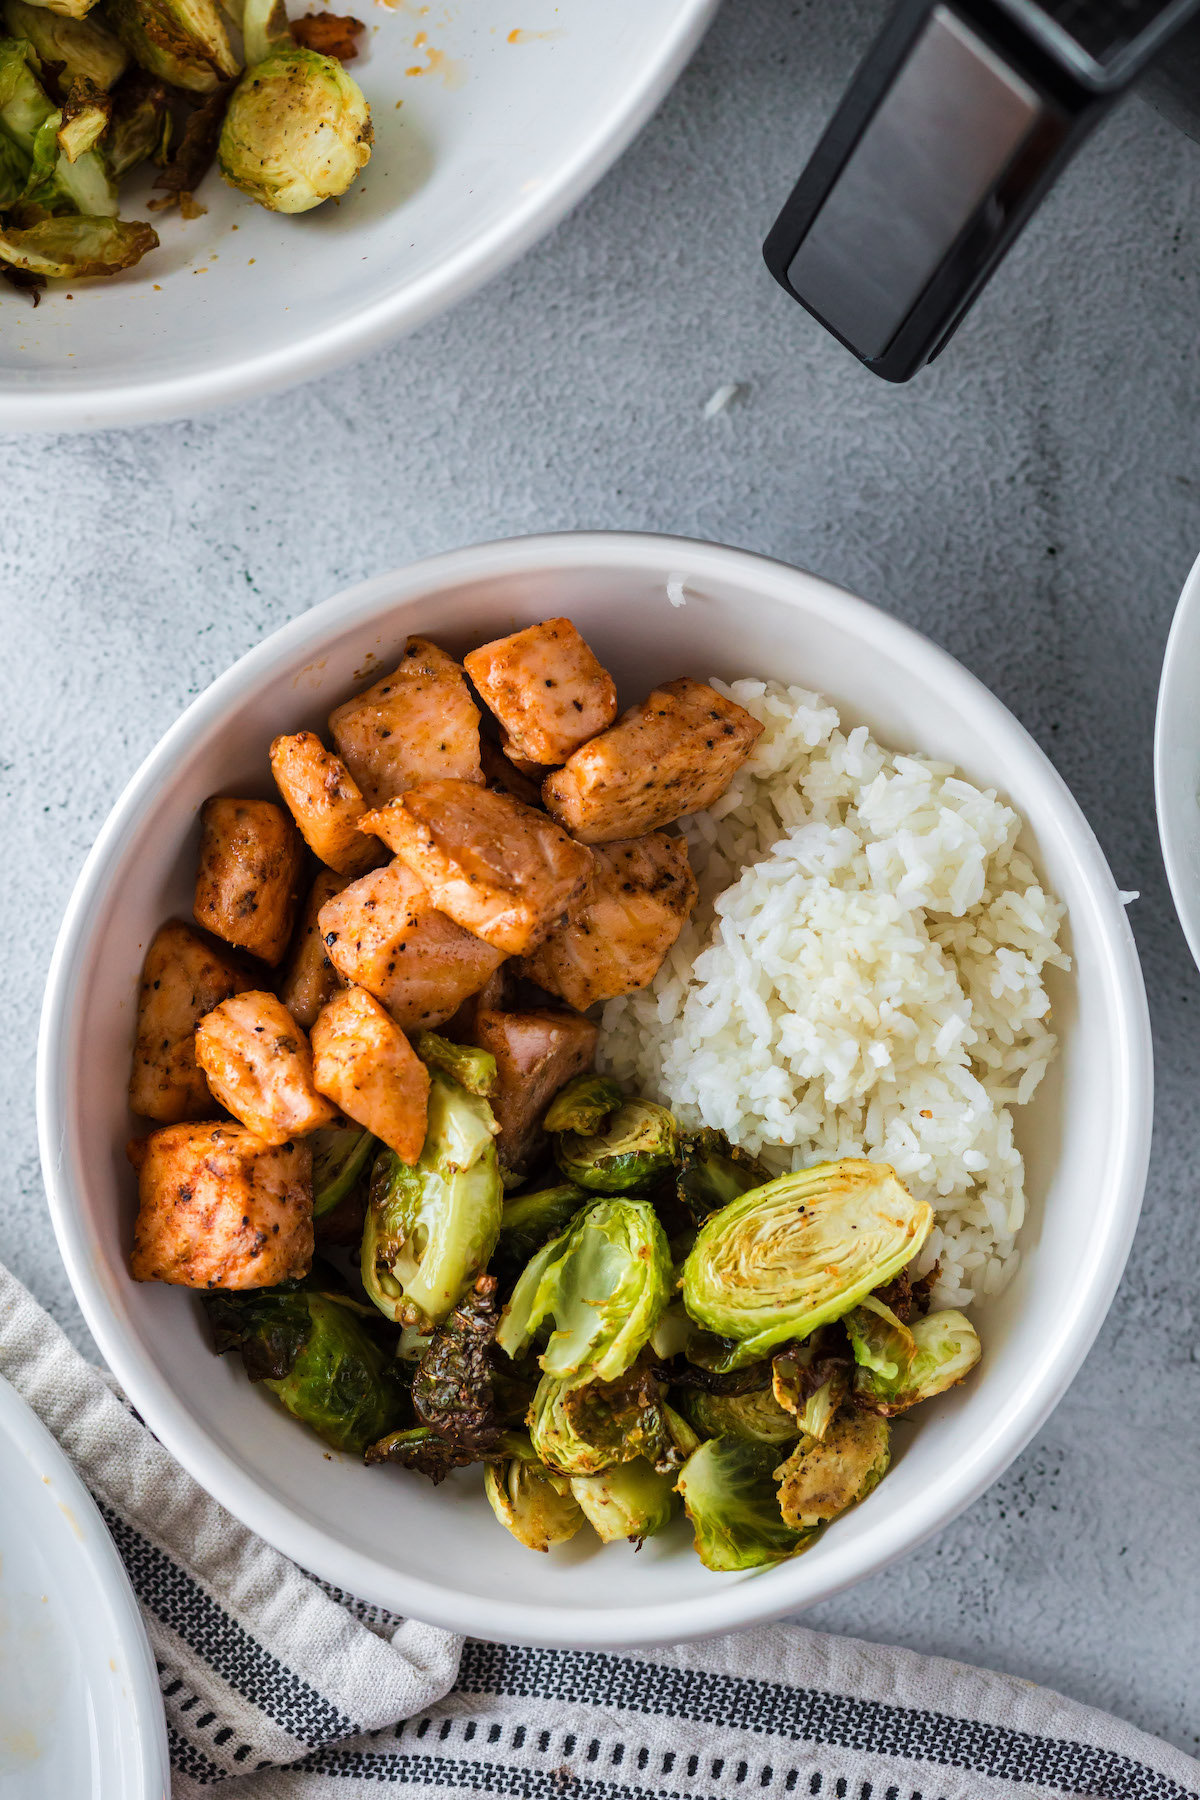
1177 760
491 121
80 1713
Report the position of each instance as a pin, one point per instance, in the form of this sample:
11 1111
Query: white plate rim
729 1607
95 407
1181 658
148 1763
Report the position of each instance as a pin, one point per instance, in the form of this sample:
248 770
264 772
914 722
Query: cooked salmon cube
504 776
325 801
384 933
219 1208
497 868
536 1053
258 1064
641 892
674 754
308 979
248 881
183 977
420 720
546 688
368 1068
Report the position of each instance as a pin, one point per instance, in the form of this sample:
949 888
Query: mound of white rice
863 976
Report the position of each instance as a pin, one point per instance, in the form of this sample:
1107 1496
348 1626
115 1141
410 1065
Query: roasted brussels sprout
84 118
758 1417
297 131
529 1221
453 1391
712 1172
141 123
603 1282
631 1500
583 1105
341 1158
420 1449
813 1379
430 1229
580 1428
638 1144
821 1479
785 1258
183 42
729 1494
54 183
473 1069
900 1365
83 48
536 1505
320 1359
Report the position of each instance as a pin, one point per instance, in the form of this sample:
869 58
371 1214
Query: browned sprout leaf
85 115
193 155
332 34
421 1450
453 1390
141 123
77 246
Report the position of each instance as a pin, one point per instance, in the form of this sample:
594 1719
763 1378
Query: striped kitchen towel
278 1688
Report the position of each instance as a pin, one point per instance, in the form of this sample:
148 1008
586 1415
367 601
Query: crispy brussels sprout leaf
264 28
583 1106
944 1349
77 246
85 115
473 1069
30 119
757 1417
582 1427
183 42
821 1479
297 132
881 1344
637 1146
813 1379
186 167
342 1157
453 1390
782 1259
323 1362
683 1437
728 1487
603 1282
421 1450
631 1500
82 47
536 1505
529 1221
431 1228
140 127
712 1172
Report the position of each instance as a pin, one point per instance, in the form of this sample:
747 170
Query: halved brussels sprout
537 1506
631 1500
320 1359
430 1229
297 132
821 1479
729 1494
529 1221
473 1069
603 1282
580 1428
902 1365
420 1449
453 1391
84 48
583 1105
183 42
341 1158
712 1172
757 1417
785 1258
638 1144
812 1380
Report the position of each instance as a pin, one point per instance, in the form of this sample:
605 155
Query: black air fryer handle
953 129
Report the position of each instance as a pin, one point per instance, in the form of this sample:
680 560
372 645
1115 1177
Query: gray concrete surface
1033 503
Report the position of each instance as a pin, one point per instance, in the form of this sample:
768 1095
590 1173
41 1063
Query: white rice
863 976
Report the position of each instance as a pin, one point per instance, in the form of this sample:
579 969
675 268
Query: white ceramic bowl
500 131
438 1554
1177 760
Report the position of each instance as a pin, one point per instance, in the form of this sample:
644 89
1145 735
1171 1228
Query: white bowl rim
117 404
728 1607
1183 889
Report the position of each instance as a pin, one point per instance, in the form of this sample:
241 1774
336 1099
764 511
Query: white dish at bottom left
80 1713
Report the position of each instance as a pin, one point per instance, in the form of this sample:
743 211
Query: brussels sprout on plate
297 132
183 42
712 1172
901 1365
603 1283
812 1380
782 1259
631 1500
530 1501
580 1428
471 1068
729 1495
529 1221
453 1390
821 1479
420 1449
757 1416
583 1106
638 1144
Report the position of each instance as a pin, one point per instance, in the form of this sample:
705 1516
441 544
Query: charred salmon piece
418 721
